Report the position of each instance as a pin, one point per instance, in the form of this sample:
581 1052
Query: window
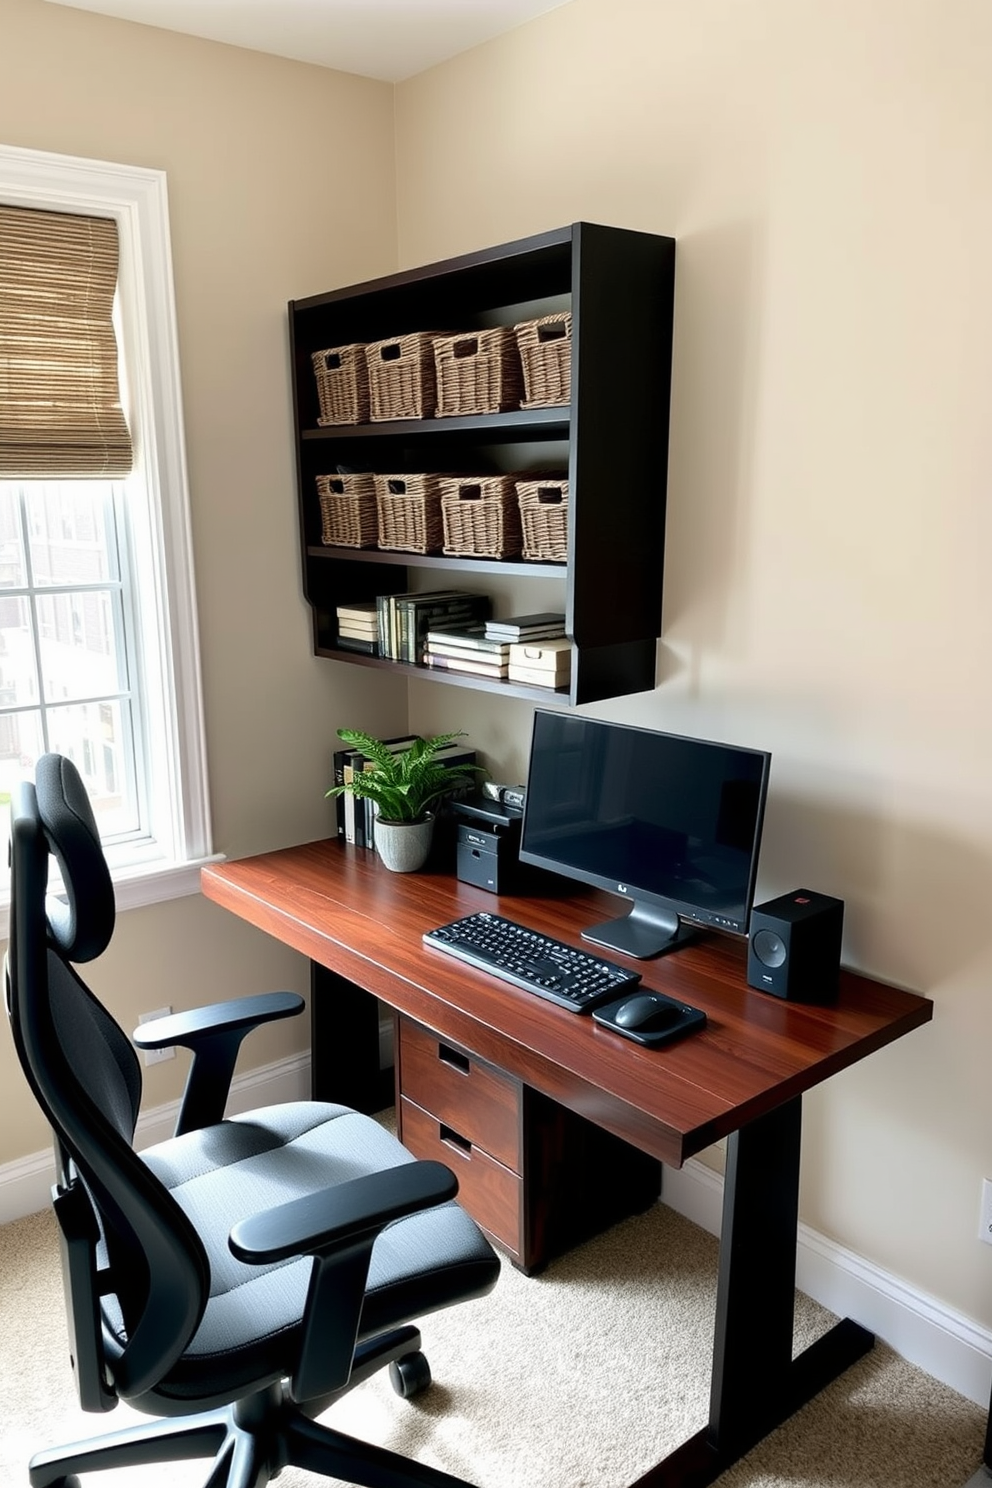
98 649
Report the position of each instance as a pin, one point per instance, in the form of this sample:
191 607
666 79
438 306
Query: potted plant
404 786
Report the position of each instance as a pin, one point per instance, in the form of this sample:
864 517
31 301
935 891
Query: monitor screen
671 824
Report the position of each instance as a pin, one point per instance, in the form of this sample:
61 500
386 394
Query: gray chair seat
261 1159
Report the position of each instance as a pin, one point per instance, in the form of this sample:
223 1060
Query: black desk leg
756 1383
344 1044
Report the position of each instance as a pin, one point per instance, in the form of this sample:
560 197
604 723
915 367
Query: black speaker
794 946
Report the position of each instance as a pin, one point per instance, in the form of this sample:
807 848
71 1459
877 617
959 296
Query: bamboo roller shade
60 404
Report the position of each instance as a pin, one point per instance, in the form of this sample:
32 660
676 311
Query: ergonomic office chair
239 1277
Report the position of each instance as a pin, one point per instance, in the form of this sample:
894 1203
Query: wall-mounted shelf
619 286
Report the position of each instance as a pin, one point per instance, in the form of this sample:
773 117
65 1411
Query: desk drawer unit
479 1102
490 1192
535 1176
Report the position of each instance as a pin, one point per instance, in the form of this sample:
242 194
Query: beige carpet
580 1378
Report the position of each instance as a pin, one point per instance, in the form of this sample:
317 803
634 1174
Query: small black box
794 946
487 859
488 844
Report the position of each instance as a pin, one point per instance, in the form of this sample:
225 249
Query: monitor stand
643 933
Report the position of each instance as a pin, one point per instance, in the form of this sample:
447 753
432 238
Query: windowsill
135 888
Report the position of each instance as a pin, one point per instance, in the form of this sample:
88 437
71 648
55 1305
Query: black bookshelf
619 286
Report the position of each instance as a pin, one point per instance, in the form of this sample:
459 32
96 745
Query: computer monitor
671 824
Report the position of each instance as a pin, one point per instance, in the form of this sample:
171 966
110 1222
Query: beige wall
281 184
825 169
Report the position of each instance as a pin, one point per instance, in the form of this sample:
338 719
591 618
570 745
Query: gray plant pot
404 846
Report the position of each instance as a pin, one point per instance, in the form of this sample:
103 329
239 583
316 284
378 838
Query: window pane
78 642
71 531
96 738
18 666
12 571
20 747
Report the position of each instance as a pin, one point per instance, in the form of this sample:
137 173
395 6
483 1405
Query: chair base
252 1440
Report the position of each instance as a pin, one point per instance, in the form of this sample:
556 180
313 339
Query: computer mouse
644 1012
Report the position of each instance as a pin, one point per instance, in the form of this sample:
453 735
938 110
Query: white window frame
136 197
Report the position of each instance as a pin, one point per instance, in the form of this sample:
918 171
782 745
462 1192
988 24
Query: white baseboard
926 1332
919 1328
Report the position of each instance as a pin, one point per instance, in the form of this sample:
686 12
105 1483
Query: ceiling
386 39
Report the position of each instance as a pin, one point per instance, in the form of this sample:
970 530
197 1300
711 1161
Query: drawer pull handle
454 1139
454 1057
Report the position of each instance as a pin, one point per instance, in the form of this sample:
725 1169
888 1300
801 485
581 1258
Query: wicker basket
481 516
347 510
342 385
478 372
409 512
546 355
544 518
402 379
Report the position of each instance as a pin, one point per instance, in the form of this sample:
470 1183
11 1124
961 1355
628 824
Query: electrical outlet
156 1056
985 1223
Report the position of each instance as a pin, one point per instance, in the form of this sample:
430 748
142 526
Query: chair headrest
82 922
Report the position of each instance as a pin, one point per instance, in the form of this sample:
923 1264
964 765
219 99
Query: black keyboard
549 968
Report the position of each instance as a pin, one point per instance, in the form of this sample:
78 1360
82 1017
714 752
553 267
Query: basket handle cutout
469 493
392 352
557 330
332 361
397 487
336 485
468 347
550 495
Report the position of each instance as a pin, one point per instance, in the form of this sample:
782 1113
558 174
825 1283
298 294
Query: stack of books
358 627
522 628
405 619
467 650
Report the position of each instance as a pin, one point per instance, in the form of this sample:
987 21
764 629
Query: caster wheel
410 1375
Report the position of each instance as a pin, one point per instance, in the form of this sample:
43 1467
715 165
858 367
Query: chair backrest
85 1074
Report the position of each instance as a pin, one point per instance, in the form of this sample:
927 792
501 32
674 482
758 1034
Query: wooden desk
743 1078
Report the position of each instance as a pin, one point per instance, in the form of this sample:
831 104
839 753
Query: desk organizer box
347 511
541 663
478 372
408 508
402 377
545 347
481 516
544 519
342 384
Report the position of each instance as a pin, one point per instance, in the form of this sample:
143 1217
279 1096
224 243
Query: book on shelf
521 627
363 645
417 614
465 638
466 653
403 618
352 633
468 665
360 609
369 629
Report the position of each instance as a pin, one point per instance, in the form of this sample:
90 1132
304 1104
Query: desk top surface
339 907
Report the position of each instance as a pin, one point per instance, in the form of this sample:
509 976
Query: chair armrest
338 1228
214 1034
323 1222
239 1014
